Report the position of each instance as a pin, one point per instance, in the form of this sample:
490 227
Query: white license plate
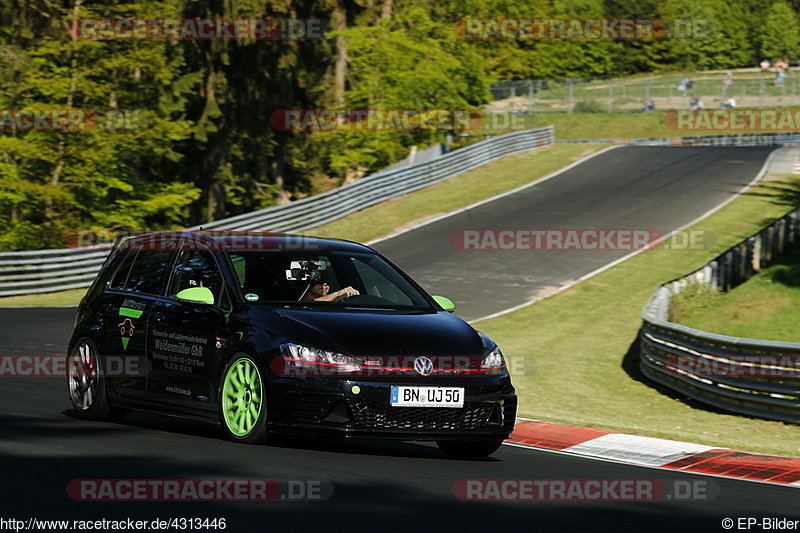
427 396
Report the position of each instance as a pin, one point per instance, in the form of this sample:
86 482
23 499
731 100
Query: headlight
494 364
322 361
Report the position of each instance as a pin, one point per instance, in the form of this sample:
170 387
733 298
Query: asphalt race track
628 188
381 486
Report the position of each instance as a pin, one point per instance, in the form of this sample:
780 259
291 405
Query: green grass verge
569 353
70 297
386 217
461 191
767 306
575 126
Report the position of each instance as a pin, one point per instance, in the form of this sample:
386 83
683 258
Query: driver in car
319 291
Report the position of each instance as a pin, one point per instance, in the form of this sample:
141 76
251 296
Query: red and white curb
796 165
656 453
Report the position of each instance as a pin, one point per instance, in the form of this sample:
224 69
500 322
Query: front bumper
332 407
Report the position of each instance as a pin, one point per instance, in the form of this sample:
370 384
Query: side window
148 271
196 269
376 284
121 275
240 267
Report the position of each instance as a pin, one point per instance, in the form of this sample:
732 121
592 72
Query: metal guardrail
31 272
747 376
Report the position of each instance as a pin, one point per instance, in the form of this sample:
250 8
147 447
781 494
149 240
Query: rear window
121 276
148 271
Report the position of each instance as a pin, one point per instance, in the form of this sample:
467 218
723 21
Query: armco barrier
41 271
747 376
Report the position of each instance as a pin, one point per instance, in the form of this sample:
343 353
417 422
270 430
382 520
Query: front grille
371 414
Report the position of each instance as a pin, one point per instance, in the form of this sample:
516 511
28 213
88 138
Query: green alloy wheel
243 408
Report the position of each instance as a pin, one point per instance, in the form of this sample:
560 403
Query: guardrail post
769 235
714 281
781 235
756 261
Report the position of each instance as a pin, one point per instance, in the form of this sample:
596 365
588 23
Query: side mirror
446 303
197 294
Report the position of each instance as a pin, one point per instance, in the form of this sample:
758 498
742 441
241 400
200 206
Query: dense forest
204 147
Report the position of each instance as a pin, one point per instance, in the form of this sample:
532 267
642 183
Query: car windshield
331 278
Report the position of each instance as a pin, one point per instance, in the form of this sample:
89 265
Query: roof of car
236 240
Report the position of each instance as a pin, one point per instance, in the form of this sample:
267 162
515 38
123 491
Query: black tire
86 384
241 401
469 449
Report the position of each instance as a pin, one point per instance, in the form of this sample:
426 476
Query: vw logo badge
423 366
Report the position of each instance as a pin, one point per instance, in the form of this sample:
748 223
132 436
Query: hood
380 333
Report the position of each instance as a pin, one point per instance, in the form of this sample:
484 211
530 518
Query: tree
779 36
52 181
723 41
408 62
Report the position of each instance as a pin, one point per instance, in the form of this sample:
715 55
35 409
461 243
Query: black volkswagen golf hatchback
284 334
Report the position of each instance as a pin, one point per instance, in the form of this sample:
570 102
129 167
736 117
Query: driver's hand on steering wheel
347 292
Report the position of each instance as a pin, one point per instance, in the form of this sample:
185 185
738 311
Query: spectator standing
727 81
780 71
